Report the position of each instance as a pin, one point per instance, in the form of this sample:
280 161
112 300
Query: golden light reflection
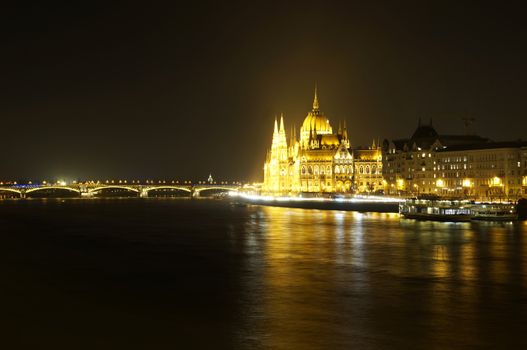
467 263
440 265
498 254
317 264
523 250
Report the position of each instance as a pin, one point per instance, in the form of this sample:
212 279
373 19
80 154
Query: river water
188 274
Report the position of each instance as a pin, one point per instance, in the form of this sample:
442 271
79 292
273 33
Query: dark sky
139 90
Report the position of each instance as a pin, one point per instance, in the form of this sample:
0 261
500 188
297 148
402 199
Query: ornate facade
321 161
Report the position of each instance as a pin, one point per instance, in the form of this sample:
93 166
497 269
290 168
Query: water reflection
205 274
339 279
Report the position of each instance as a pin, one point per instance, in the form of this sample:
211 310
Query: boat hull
495 218
437 217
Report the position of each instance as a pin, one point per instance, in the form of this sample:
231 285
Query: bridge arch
148 189
35 189
109 187
12 190
220 188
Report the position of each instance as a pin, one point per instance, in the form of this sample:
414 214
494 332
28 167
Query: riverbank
363 204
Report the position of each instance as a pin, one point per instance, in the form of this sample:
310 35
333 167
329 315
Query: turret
345 135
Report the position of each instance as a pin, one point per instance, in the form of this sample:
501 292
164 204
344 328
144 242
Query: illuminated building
466 166
321 160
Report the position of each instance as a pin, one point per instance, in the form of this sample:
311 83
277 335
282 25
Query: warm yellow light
467 183
400 183
496 181
440 183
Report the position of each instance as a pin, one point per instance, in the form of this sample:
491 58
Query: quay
357 203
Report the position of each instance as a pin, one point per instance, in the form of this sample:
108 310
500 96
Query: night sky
138 91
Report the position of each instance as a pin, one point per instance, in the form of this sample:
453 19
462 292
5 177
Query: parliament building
321 160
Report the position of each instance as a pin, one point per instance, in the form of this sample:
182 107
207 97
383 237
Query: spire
315 100
294 133
275 125
282 129
340 129
373 146
345 131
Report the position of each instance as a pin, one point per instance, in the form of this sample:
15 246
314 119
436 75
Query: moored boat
457 210
494 212
436 210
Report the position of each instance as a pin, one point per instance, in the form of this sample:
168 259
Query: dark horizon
126 91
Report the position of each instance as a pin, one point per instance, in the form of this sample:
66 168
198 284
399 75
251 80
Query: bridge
94 189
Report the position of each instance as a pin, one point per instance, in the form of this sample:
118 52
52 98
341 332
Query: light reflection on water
340 279
204 274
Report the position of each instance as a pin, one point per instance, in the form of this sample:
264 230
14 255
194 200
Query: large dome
316 121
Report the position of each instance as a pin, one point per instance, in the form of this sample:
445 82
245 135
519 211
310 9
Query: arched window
310 170
328 170
337 170
316 169
321 170
367 169
373 169
361 170
303 170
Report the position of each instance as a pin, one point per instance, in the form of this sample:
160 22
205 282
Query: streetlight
416 186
